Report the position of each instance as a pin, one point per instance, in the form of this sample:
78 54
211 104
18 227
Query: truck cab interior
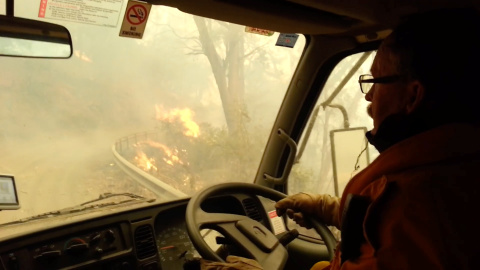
146 135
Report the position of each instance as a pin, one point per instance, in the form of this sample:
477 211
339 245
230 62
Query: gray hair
441 49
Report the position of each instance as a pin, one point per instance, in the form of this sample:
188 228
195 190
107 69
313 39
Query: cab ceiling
332 17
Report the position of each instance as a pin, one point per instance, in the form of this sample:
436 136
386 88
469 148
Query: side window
333 147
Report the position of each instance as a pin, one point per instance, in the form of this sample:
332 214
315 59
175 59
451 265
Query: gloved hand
321 206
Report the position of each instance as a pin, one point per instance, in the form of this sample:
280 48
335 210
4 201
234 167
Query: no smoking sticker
135 19
137 14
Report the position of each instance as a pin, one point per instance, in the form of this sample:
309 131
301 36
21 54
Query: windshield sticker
97 12
259 31
135 20
277 222
287 40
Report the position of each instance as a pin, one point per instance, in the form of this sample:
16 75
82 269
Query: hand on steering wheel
245 233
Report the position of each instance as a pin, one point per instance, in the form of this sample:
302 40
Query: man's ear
415 96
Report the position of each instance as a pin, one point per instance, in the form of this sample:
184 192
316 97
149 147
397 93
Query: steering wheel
245 233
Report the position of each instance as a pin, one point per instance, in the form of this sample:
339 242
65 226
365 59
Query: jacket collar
396 128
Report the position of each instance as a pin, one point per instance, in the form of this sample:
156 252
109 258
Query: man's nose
369 95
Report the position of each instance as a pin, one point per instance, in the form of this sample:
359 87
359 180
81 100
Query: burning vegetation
187 155
183 116
163 153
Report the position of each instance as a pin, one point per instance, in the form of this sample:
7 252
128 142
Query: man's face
386 99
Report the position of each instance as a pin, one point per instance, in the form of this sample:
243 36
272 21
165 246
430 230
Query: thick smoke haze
60 118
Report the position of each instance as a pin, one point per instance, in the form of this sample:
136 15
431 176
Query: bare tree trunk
228 73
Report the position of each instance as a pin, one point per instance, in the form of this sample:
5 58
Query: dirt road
61 172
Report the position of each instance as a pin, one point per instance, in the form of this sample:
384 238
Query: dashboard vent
144 242
251 209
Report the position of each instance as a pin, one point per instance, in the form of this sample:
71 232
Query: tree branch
255 50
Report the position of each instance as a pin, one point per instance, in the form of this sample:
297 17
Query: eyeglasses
366 81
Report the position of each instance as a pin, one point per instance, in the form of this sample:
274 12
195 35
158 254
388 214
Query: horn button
258 234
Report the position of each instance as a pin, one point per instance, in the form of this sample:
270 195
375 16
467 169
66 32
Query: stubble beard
369 110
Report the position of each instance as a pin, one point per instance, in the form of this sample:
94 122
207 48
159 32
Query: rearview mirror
29 38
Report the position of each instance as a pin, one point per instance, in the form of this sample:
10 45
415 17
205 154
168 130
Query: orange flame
172 155
82 56
183 115
144 162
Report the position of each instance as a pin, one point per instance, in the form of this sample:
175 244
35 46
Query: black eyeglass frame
385 79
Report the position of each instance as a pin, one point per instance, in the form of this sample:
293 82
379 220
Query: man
415 206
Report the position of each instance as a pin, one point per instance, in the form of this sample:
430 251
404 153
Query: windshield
189 105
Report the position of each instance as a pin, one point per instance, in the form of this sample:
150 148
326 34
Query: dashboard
154 237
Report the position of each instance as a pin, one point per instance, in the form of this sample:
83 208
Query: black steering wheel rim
194 214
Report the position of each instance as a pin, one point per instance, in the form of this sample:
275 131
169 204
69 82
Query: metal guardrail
157 186
127 141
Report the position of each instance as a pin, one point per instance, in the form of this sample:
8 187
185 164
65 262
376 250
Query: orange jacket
425 194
